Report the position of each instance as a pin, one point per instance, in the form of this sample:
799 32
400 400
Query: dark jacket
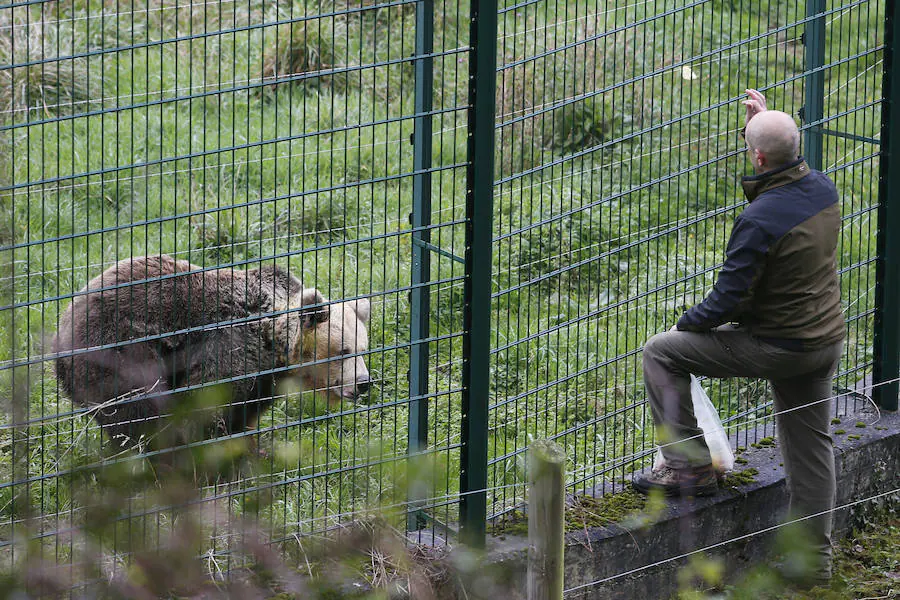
780 273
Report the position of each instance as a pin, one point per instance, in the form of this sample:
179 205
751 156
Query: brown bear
145 338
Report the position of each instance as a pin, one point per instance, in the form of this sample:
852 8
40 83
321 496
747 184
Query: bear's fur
140 341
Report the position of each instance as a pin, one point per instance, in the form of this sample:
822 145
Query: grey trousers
799 380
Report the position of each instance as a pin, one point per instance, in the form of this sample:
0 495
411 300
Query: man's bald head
775 135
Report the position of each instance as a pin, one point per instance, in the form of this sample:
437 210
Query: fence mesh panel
618 180
235 136
328 140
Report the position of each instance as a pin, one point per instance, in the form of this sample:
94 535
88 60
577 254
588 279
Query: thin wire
362 511
729 425
618 460
369 510
678 223
729 541
564 23
124 13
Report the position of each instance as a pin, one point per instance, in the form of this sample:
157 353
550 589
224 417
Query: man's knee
657 347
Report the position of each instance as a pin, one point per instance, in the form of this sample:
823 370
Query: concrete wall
865 467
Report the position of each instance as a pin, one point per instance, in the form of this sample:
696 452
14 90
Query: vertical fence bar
479 245
887 279
420 297
813 109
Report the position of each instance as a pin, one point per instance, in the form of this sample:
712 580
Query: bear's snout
362 384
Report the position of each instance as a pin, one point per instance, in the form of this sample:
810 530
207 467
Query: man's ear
760 158
313 308
362 308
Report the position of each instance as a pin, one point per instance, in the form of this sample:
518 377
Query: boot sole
676 492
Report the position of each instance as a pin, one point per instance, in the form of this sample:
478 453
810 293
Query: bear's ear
316 313
362 308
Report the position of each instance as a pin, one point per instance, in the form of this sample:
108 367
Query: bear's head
329 352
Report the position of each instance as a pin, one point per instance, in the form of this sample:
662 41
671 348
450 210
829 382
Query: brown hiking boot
692 481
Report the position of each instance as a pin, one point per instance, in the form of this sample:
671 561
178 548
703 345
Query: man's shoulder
818 177
815 185
778 210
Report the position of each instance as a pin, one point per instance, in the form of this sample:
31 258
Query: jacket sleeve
745 260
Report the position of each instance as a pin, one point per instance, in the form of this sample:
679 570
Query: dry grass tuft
40 79
296 53
308 50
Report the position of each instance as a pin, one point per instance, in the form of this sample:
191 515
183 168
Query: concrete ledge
865 467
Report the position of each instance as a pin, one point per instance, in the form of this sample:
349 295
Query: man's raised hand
755 104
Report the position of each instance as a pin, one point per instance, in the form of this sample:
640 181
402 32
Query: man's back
797 295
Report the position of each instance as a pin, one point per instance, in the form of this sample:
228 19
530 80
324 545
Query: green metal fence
524 193
618 178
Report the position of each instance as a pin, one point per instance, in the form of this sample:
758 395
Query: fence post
420 219
546 520
479 263
814 105
887 270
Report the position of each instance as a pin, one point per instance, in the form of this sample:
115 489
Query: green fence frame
887 319
479 233
485 200
813 109
420 310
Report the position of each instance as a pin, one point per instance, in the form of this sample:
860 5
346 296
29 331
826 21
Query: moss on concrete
584 512
588 512
736 479
512 523
627 506
766 442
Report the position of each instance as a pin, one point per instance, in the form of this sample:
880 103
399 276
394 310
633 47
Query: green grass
230 169
865 566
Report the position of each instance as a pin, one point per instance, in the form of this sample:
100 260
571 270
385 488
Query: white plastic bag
713 432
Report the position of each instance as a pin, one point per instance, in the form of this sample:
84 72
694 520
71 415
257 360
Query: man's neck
774 177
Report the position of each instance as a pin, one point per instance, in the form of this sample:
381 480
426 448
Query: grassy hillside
235 134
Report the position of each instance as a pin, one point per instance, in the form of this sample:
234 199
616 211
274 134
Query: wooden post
546 518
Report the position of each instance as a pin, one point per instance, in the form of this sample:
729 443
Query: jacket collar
755 185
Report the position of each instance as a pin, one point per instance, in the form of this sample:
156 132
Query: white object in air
688 73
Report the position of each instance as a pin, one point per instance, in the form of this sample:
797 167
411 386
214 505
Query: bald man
774 313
